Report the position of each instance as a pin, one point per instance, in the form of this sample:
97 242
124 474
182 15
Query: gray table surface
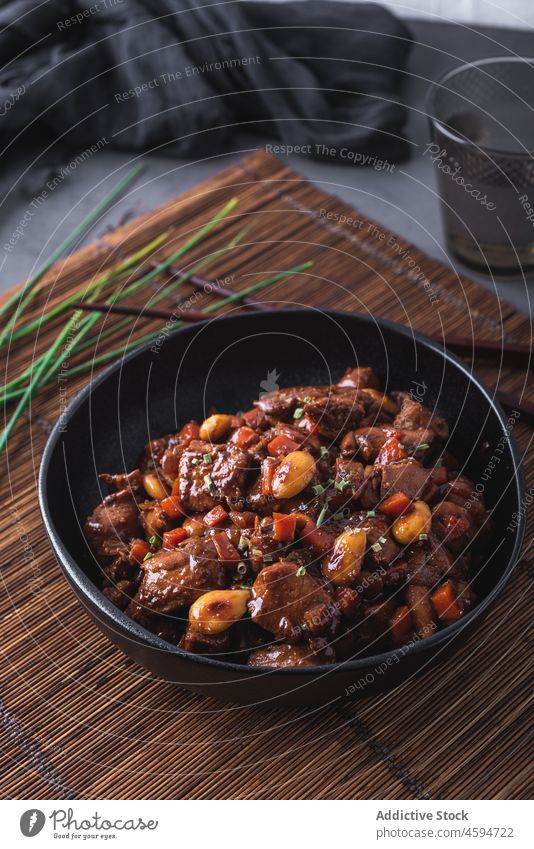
405 199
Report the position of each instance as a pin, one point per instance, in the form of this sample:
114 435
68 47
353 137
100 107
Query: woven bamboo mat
81 720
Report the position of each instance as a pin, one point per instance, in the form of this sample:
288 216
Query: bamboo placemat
81 720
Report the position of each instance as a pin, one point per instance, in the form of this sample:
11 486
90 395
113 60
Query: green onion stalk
21 298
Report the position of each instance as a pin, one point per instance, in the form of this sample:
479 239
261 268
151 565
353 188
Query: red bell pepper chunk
267 471
244 437
253 417
190 431
172 538
391 451
282 445
313 537
284 527
172 507
401 624
395 505
226 552
139 550
446 604
215 516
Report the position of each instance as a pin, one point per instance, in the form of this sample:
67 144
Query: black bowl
226 363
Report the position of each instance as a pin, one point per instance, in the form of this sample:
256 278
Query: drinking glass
482 124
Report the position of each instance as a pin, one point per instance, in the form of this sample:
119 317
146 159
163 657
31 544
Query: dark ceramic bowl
226 363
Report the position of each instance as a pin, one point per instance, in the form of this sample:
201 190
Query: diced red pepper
446 604
189 432
172 507
439 475
244 437
267 471
395 505
284 527
282 445
139 550
173 538
313 537
401 624
391 451
226 552
215 516
456 526
253 417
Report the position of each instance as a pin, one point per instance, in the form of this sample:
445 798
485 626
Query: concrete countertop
403 199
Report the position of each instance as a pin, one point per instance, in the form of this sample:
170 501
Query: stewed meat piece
359 378
407 476
281 595
112 524
174 579
413 416
283 654
211 474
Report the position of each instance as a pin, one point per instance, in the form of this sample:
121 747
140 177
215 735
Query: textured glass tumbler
482 124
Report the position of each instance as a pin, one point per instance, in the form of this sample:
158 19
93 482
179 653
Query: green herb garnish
318 489
324 451
423 446
207 459
342 484
208 481
371 514
299 412
148 556
257 552
322 514
301 571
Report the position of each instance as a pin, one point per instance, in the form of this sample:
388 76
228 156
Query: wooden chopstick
505 353
210 287
141 312
517 354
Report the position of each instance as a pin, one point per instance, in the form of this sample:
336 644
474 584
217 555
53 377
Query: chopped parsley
207 459
299 412
301 571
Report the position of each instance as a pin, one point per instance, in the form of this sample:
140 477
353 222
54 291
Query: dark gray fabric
306 73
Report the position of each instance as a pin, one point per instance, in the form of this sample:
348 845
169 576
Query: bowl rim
122 623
